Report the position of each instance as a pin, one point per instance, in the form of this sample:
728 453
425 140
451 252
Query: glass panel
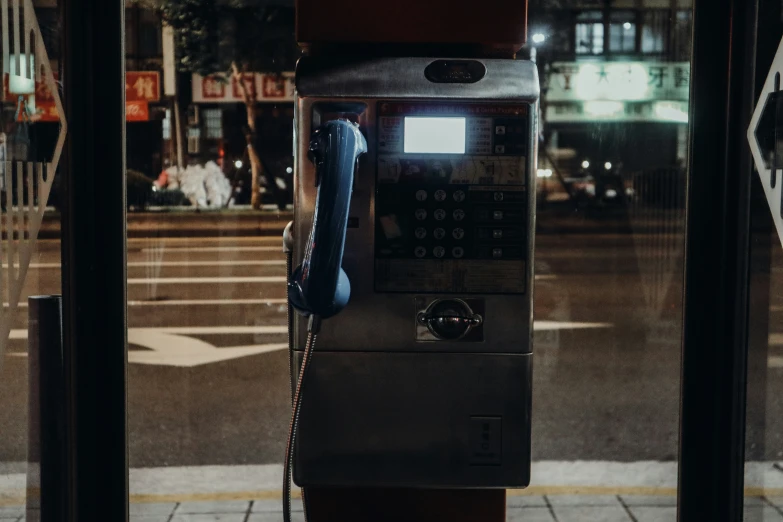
763 441
609 269
30 146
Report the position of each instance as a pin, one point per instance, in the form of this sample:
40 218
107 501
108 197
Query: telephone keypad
453 222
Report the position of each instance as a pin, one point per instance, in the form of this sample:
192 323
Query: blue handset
319 286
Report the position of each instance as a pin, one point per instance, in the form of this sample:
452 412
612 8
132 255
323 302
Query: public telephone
414 219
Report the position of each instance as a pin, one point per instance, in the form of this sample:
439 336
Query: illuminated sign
599 110
618 81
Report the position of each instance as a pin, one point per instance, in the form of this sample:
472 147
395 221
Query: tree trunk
256 168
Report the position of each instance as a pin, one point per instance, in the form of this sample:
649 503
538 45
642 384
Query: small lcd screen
431 135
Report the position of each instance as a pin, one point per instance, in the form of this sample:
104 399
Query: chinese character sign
261 87
142 86
618 81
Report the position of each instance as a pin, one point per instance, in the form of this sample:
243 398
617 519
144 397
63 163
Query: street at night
208 377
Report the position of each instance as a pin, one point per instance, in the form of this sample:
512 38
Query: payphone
413 242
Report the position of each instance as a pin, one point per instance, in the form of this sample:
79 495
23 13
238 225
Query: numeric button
439 251
440 195
421 214
458 214
421 195
420 251
458 233
457 252
420 233
459 196
439 233
440 214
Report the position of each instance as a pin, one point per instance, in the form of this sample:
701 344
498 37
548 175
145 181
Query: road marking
539 326
21 333
171 347
776 339
133 264
166 349
197 302
216 249
209 302
215 239
204 280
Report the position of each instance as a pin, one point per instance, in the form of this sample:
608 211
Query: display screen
432 135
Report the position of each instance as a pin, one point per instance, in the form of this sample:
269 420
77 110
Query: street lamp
539 38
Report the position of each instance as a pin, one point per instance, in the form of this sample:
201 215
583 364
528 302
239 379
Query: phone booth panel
424 378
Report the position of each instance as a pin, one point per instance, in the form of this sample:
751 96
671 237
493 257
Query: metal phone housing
424 379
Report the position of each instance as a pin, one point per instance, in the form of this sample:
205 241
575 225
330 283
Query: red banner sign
137 111
142 86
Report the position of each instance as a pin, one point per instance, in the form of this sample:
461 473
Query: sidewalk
186 222
560 492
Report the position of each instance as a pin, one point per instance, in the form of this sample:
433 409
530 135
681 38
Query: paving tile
276 517
583 500
209 517
213 506
777 501
11 511
761 514
528 514
654 513
754 501
592 514
269 505
149 518
649 500
154 508
513 501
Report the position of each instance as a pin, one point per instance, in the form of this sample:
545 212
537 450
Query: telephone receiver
319 286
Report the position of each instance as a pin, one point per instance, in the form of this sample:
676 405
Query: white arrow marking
134 264
539 326
170 349
170 346
205 280
167 349
218 249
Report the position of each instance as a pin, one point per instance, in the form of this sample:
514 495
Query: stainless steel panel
402 419
505 80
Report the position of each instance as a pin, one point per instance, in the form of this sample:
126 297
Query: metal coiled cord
312 334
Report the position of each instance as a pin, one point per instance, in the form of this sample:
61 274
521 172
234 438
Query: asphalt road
208 370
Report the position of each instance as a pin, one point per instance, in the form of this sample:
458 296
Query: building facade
615 83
